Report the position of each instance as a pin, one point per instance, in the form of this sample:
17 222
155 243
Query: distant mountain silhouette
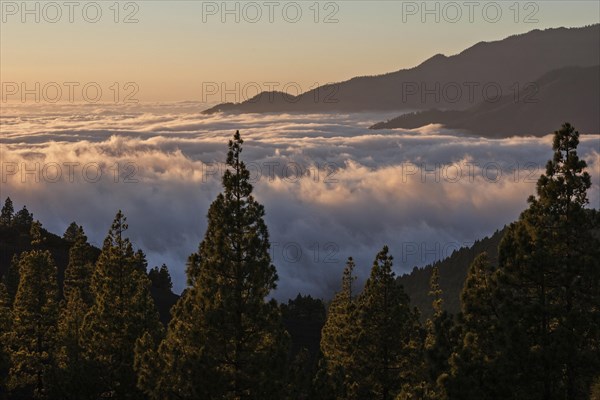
436 82
568 94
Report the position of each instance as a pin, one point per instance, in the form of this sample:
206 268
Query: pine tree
192 269
225 340
35 314
595 390
36 232
549 283
141 263
441 340
298 379
385 350
161 278
11 279
71 232
74 369
149 367
78 274
23 218
475 370
326 386
304 318
5 331
122 312
339 335
174 369
8 211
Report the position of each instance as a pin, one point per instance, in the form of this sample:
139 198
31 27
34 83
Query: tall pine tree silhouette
339 337
5 331
440 341
74 372
7 213
32 342
225 340
388 338
549 283
474 369
122 312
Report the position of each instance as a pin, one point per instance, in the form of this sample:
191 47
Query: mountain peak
521 58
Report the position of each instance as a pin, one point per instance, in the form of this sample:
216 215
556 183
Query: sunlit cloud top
331 187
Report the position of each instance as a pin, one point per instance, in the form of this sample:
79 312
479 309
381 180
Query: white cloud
359 190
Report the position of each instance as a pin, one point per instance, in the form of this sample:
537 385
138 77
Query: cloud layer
331 187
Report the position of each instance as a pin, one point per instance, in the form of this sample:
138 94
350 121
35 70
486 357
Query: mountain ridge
518 58
566 94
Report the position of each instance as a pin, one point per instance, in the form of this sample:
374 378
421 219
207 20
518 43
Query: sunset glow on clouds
331 187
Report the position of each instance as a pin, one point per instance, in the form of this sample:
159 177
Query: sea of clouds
331 187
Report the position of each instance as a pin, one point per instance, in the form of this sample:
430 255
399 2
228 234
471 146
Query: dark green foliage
23 218
15 240
225 340
32 341
141 263
172 369
72 377
298 377
148 367
11 279
75 377
388 341
161 278
339 338
74 368
78 273
122 312
161 289
193 269
528 327
5 331
549 284
325 385
304 318
595 390
71 233
38 237
305 308
453 271
474 372
7 213
531 327
440 342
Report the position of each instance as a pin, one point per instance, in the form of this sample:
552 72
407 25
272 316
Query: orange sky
171 50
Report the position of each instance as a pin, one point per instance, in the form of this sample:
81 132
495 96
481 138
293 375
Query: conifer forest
528 325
